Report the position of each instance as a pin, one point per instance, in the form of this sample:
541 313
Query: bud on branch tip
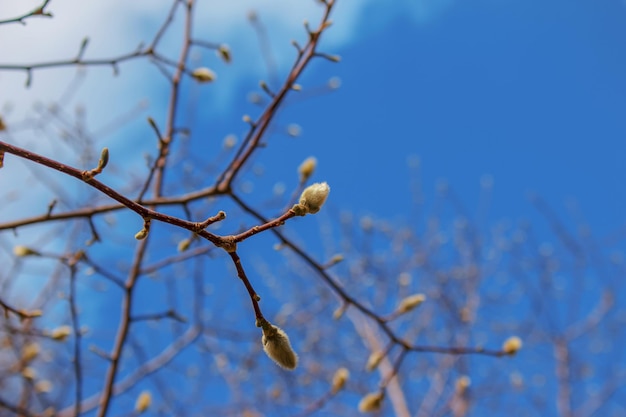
203 75
371 402
277 346
306 168
312 199
512 345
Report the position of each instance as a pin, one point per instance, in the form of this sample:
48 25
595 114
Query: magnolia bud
462 384
184 244
30 352
43 386
61 333
21 251
143 401
371 402
203 75
374 360
276 345
313 197
306 168
512 345
224 52
410 302
339 380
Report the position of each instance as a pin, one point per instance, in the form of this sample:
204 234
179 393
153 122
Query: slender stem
254 297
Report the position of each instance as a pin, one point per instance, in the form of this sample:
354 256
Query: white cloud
115 27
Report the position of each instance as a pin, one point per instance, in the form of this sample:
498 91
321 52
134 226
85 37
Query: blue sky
531 93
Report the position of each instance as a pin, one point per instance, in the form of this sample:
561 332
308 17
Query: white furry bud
313 197
277 346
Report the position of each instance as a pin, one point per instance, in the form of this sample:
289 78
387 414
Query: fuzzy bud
224 52
140 235
409 303
339 380
339 311
294 130
277 346
184 244
29 373
203 75
22 251
104 159
313 197
143 401
374 360
30 352
512 345
61 333
371 402
306 168
462 384
336 259
43 386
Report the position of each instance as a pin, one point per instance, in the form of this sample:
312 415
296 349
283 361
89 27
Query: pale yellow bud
203 75
306 168
230 141
277 346
30 352
336 259
294 130
43 386
24 251
462 384
339 379
338 313
371 402
224 52
32 314
183 245
143 401
512 345
409 303
334 83
374 360
140 235
29 373
61 333
313 197
104 159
